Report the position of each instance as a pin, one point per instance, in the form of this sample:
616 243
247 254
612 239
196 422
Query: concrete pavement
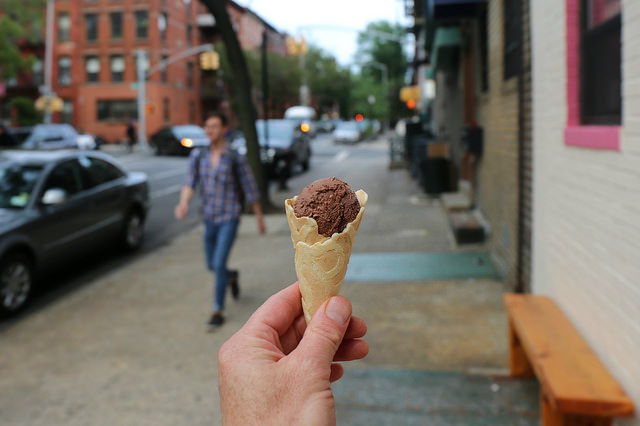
132 348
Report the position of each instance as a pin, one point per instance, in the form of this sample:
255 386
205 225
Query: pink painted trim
573 62
596 137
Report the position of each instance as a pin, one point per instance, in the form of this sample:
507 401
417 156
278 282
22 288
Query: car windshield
277 130
16 184
189 132
347 125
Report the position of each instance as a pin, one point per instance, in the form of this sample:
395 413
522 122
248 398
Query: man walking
225 178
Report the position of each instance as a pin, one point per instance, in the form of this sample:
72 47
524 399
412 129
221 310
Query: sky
330 24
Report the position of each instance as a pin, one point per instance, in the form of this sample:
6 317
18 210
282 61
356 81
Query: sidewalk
132 348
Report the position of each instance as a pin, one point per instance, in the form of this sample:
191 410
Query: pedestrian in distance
131 135
277 370
225 182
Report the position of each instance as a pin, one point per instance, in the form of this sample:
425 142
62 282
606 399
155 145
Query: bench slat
571 375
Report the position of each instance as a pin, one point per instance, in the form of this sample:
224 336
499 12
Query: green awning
445 49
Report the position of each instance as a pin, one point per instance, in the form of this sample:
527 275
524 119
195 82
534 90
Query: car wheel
133 231
16 283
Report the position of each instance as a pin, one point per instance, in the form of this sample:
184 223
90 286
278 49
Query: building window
163 70
511 38
593 25
165 110
117 110
37 70
117 68
162 26
116 25
91 24
64 26
189 74
66 115
142 24
92 64
64 70
600 62
189 34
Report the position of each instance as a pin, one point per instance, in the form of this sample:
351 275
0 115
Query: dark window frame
600 70
511 55
67 71
92 77
91 32
141 17
64 35
116 110
113 22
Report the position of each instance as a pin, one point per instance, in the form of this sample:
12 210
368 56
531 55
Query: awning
439 9
445 50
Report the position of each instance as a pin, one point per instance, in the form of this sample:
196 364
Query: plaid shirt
217 187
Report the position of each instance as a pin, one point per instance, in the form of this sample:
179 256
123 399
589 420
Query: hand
262 228
180 212
276 370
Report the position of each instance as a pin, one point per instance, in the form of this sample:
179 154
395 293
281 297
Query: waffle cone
321 262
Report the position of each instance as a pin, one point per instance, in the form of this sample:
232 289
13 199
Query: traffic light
209 60
411 104
359 117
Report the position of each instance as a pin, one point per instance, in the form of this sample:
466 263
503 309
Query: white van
303 115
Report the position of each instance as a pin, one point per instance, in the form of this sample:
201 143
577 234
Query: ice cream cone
321 262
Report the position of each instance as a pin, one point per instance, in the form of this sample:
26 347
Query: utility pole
48 60
142 101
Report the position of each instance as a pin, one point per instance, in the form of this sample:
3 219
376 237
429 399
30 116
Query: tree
329 83
20 21
382 42
241 84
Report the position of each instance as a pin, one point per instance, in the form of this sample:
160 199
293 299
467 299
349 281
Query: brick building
94 64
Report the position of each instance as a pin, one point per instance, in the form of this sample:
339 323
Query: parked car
178 139
347 132
54 206
46 137
285 149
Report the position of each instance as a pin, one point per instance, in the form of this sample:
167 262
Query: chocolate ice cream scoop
330 202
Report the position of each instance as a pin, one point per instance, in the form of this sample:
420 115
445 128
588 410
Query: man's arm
181 210
257 211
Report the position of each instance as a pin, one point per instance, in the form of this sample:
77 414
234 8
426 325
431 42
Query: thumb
324 334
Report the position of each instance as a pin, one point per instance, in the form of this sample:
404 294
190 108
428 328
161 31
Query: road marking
165 191
341 156
167 173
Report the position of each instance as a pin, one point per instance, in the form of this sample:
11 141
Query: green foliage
20 21
382 43
330 84
364 87
26 113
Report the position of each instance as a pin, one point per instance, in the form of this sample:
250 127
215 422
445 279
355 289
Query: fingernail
338 310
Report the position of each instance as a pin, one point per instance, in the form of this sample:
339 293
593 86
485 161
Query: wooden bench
576 389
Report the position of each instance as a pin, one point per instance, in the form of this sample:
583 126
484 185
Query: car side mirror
54 196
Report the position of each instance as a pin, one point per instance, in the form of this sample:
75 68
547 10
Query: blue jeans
218 240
